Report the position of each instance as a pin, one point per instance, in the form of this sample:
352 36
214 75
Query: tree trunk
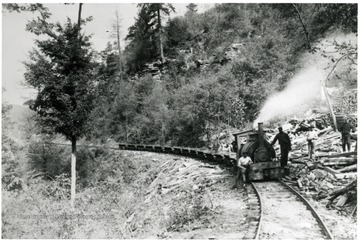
73 170
73 138
118 42
208 135
163 135
126 129
160 36
79 18
304 27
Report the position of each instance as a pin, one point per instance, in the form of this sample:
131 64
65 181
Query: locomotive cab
265 166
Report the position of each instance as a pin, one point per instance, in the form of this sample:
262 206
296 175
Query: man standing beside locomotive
243 168
285 145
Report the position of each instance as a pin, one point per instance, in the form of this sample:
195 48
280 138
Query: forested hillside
189 81
219 67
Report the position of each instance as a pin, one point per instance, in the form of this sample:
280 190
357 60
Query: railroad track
286 214
275 210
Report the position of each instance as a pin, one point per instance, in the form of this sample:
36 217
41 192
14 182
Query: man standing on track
285 145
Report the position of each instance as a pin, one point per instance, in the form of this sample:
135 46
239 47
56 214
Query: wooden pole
330 106
326 93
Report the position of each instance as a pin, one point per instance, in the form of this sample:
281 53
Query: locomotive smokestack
261 134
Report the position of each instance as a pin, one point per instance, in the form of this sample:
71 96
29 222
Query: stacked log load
330 176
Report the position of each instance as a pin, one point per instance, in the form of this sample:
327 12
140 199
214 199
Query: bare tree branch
303 25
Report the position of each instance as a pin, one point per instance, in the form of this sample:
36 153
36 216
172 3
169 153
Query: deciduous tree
61 69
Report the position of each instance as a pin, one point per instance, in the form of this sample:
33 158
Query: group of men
345 130
285 146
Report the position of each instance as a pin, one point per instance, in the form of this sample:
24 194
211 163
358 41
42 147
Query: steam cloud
304 91
301 92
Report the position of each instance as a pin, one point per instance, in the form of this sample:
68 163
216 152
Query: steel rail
186 152
261 211
314 213
224 160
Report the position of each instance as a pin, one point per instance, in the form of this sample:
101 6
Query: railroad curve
268 217
286 214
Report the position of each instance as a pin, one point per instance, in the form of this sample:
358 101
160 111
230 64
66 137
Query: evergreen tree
155 10
142 43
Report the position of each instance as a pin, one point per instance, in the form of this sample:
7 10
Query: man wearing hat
285 145
345 134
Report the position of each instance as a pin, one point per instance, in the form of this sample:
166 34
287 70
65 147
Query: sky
17 42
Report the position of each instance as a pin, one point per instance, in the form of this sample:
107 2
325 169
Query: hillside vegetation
219 68
183 81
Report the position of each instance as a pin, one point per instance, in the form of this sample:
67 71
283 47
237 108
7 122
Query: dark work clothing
345 135
345 142
284 156
285 146
346 128
243 173
283 138
311 148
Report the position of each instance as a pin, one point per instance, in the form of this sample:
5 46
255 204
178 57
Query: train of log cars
253 142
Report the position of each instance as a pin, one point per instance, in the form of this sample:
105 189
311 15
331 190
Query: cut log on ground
348 187
350 175
332 171
339 161
344 154
348 169
342 200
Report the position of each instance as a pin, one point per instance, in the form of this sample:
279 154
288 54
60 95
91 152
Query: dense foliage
179 81
62 72
220 67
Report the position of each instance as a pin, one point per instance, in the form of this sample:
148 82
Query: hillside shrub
187 207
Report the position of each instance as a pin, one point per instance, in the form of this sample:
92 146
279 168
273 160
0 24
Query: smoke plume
304 91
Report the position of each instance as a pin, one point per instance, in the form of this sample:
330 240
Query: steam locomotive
265 166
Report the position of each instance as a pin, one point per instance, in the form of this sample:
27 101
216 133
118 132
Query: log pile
329 177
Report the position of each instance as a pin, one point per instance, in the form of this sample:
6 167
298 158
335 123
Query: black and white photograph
179 120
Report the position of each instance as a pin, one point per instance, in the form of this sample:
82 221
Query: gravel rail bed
285 215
